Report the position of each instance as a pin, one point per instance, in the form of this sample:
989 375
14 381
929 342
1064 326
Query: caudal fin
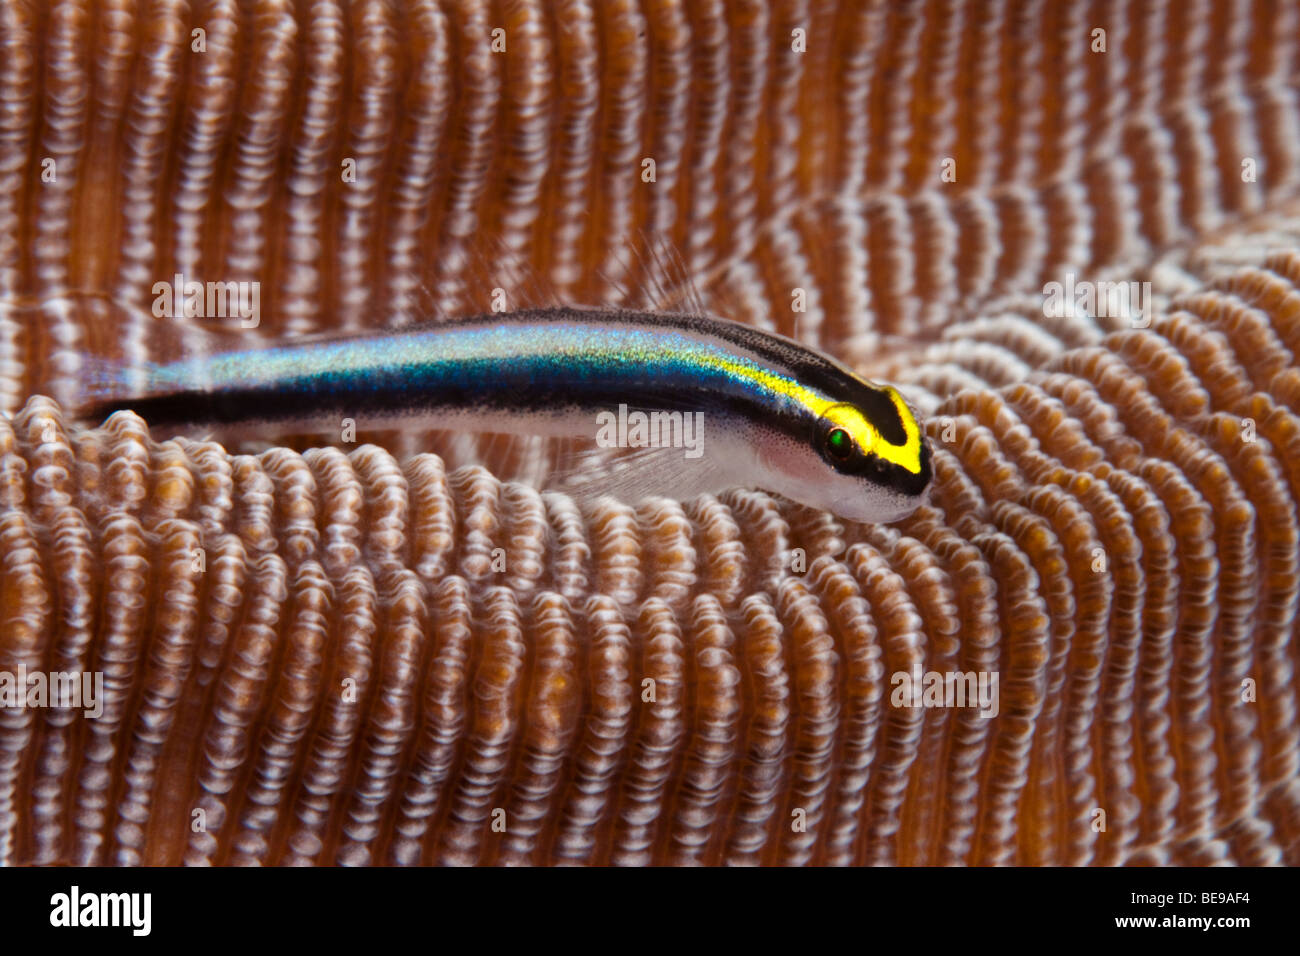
90 353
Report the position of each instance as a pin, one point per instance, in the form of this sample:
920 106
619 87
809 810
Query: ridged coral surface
364 654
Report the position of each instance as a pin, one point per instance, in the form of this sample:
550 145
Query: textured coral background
477 690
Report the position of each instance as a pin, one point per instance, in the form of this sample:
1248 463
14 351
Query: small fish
700 404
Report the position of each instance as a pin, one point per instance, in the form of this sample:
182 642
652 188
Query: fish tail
89 352
106 384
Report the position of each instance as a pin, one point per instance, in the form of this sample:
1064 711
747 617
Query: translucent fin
82 348
635 474
655 277
480 278
486 276
105 378
530 459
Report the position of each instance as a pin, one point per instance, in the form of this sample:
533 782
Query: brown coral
356 655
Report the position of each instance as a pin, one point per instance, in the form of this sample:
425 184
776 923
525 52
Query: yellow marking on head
908 454
846 416
869 439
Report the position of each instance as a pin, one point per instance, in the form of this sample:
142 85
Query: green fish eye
839 444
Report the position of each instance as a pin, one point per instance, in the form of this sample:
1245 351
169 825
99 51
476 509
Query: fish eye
834 439
839 445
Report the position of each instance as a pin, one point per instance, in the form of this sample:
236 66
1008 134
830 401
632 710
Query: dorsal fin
656 278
